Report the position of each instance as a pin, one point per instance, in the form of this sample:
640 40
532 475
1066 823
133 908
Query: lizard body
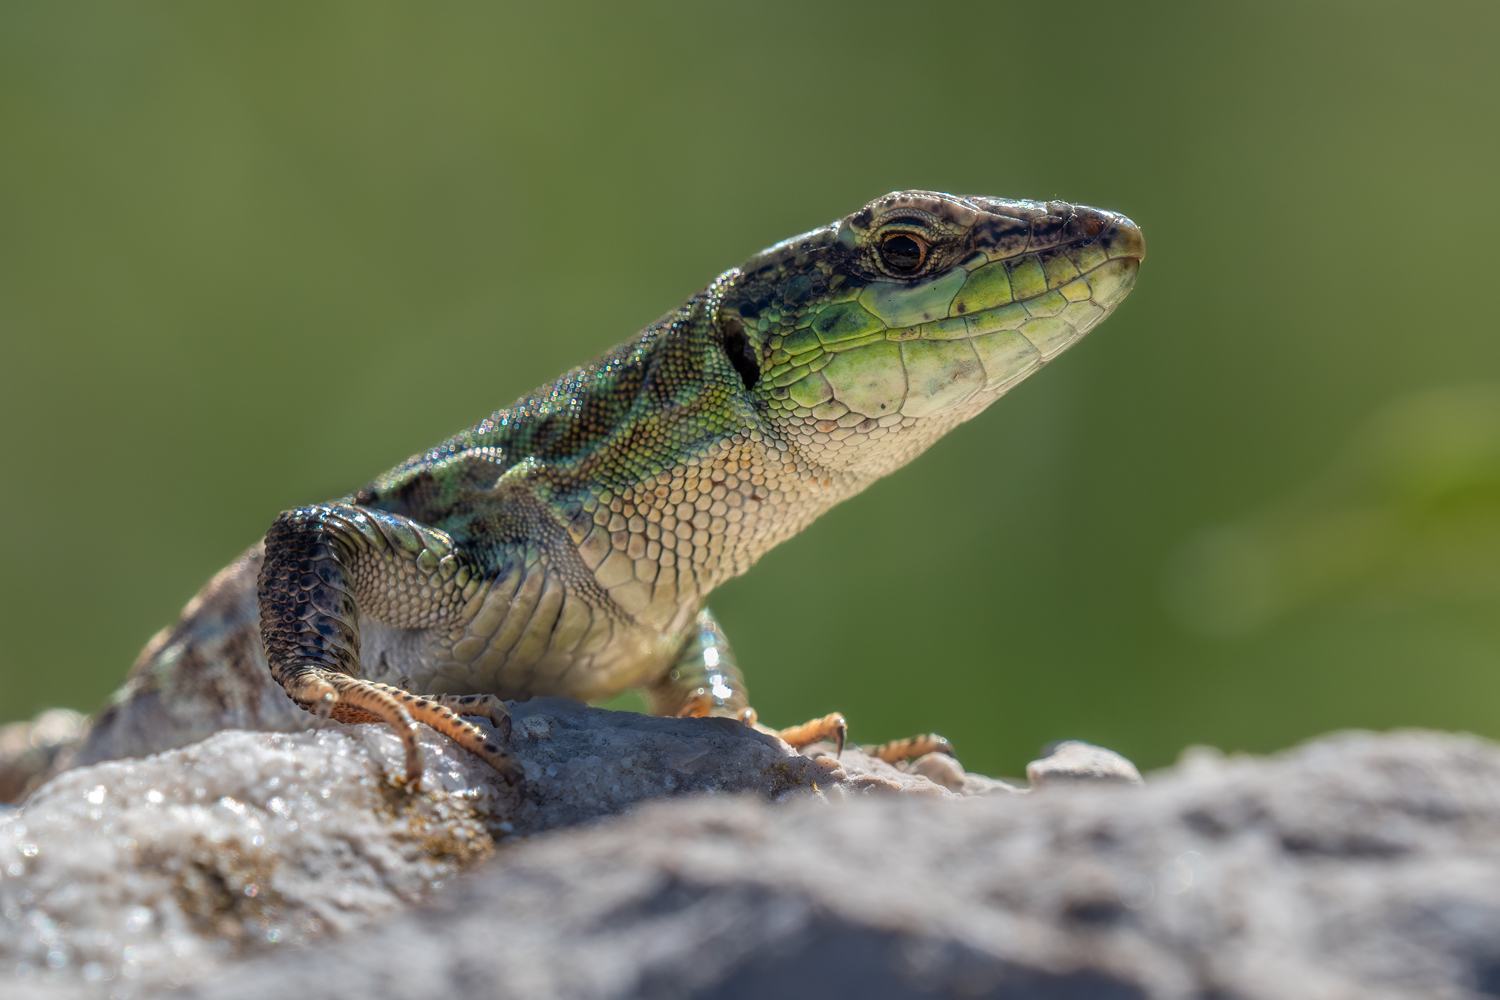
565 545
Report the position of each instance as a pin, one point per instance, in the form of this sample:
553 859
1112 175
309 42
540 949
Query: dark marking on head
798 288
740 353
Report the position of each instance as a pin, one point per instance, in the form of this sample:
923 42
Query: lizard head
864 341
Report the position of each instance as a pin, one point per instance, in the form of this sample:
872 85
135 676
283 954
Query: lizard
565 545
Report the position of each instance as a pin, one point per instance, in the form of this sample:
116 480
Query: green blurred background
253 253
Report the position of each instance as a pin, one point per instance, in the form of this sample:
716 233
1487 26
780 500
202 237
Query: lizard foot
485 706
912 747
357 700
830 727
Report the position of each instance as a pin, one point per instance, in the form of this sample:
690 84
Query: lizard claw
830 727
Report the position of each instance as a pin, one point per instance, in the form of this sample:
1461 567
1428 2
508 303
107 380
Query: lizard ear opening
737 348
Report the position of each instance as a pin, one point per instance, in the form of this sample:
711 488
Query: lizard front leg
707 681
330 565
704 680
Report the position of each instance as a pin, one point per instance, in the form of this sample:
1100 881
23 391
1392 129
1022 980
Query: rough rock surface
129 876
1357 866
29 749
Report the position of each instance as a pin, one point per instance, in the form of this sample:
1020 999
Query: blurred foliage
253 253
1411 513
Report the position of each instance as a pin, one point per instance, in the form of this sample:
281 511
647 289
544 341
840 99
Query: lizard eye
903 252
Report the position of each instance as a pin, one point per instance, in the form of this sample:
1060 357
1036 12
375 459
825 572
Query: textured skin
565 545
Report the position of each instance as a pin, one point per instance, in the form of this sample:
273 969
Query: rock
29 749
941 768
143 874
1356 866
1071 762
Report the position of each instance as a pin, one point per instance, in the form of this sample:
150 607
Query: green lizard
565 545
